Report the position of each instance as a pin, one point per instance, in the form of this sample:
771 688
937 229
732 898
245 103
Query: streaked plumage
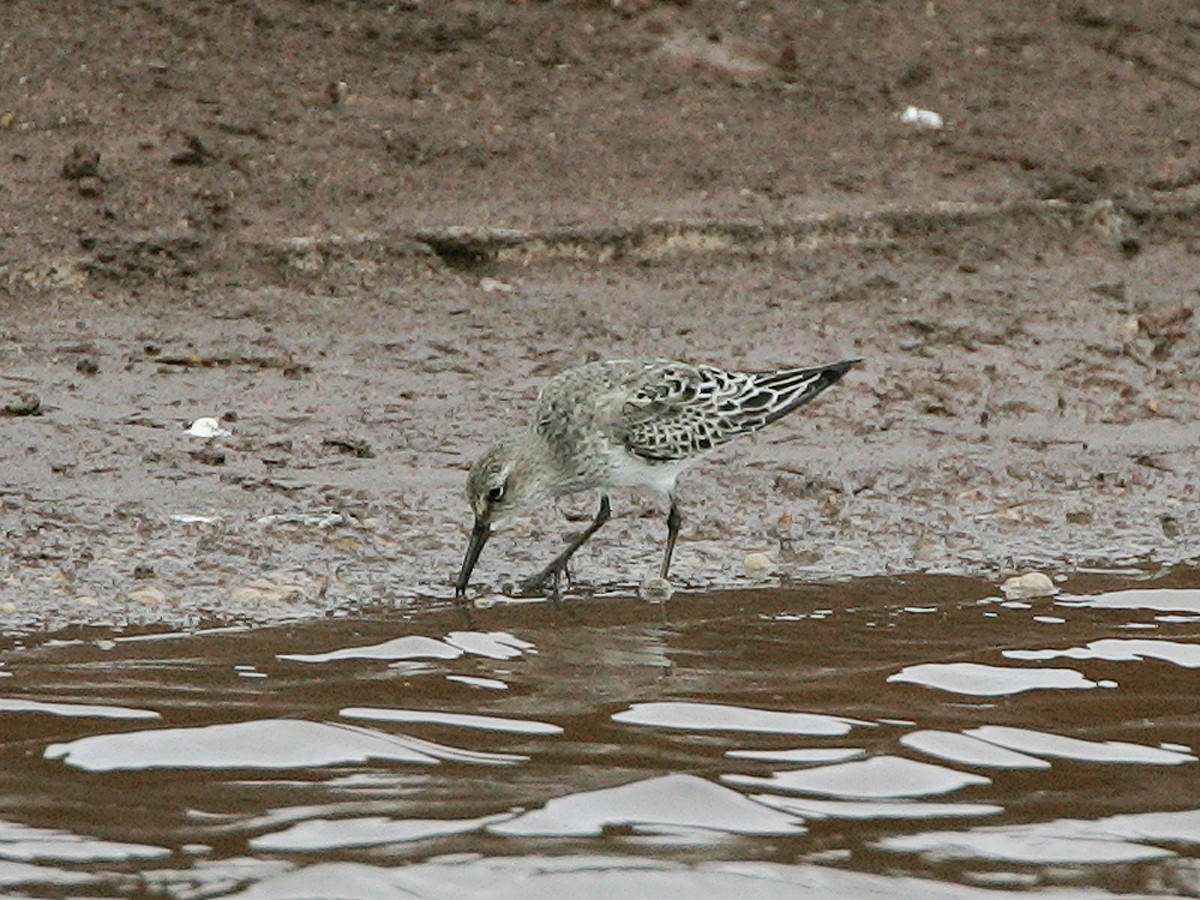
626 423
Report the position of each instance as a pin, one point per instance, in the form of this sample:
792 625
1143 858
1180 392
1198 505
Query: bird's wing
675 410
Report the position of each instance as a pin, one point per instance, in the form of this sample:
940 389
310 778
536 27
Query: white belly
629 471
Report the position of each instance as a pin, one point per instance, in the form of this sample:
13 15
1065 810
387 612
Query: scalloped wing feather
680 411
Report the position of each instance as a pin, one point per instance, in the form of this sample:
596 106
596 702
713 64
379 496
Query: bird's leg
559 563
674 520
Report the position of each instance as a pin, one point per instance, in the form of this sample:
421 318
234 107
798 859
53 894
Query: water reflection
881 777
263 744
723 744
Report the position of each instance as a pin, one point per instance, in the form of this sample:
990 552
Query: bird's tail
776 394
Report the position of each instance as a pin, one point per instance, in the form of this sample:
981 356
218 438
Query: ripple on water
262 744
75 710
487 684
1121 650
880 777
1042 743
1167 599
656 805
801 756
413 646
533 875
27 843
492 645
978 680
455 720
720 717
876 809
331 834
1115 839
969 751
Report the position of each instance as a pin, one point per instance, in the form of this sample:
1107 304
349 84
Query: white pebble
207 427
922 118
496 286
1028 586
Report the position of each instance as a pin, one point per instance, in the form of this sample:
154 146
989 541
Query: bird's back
664 411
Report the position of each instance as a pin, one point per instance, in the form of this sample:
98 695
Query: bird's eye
496 494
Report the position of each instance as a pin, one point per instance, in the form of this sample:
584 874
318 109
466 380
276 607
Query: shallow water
907 737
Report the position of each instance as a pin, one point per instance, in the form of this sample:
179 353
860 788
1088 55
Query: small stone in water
1028 586
757 565
655 590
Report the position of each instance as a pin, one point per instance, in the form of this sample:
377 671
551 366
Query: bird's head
504 482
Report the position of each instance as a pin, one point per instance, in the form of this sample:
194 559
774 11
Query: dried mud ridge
465 246
176 258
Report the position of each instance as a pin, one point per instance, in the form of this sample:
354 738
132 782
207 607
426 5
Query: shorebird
624 423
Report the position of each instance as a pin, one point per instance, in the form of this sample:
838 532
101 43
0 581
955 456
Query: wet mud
1012 418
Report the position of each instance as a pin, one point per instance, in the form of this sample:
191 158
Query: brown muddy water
901 737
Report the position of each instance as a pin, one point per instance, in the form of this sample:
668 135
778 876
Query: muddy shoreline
1033 410
366 255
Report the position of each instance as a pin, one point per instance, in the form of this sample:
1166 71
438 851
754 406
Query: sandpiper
624 423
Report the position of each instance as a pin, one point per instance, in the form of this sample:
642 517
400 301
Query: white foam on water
1177 619
1049 620
876 809
331 834
979 680
75 710
262 744
881 777
969 751
456 720
1167 599
1115 839
804 755
1042 743
26 843
667 802
410 647
1121 650
720 717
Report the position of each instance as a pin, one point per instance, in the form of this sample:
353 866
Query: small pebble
83 162
922 118
757 565
484 602
147 596
1028 586
495 286
655 590
207 427
21 403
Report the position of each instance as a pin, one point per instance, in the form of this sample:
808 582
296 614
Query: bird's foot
549 580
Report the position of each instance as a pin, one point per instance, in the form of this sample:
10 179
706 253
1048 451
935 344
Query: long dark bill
479 536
